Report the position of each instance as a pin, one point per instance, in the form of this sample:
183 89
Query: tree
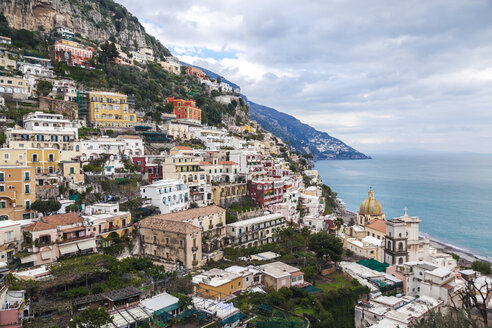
480 266
474 297
47 207
183 300
108 53
91 318
338 224
326 246
169 108
71 208
44 88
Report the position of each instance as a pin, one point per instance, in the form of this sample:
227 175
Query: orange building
74 53
186 109
196 72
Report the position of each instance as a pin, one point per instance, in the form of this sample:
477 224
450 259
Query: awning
46 255
66 249
30 258
87 244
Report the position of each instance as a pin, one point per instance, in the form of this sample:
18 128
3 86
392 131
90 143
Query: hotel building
111 110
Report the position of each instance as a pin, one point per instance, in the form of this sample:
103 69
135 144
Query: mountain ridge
301 136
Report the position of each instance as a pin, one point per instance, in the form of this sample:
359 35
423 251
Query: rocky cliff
97 20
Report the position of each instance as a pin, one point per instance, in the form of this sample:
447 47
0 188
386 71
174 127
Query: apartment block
168 195
110 110
255 231
176 244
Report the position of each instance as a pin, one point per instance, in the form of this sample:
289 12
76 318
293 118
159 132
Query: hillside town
111 213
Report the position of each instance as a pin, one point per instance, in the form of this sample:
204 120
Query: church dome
371 206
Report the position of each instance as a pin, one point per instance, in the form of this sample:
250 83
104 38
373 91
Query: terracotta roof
63 219
158 223
39 226
190 214
227 163
205 163
183 148
127 136
376 224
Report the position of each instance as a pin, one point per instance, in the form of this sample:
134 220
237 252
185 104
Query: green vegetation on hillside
149 86
32 43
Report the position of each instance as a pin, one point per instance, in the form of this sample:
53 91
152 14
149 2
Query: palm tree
338 223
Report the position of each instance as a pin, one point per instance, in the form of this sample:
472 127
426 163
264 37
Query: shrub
480 266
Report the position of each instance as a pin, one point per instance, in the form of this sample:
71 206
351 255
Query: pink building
58 235
12 308
278 274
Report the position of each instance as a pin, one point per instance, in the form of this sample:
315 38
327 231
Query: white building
66 87
168 195
425 279
119 147
143 55
43 130
249 163
255 231
393 312
29 69
252 276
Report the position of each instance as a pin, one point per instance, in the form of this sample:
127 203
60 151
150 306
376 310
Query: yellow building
17 192
109 109
217 284
71 172
43 160
376 228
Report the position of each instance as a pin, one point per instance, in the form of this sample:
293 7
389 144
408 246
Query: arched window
400 246
400 260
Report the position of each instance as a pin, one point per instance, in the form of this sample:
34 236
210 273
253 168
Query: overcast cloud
380 75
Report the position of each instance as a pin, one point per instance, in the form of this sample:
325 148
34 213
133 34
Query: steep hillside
300 136
102 20
214 75
96 20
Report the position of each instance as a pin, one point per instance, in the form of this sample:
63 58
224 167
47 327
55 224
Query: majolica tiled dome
371 206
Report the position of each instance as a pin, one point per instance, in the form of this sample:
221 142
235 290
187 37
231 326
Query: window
34 157
72 170
27 176
27 188
6 156
28 204
3 204
8 236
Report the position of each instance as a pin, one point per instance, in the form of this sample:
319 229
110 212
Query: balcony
220 224
194 263
194 249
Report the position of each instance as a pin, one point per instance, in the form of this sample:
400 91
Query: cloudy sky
380 75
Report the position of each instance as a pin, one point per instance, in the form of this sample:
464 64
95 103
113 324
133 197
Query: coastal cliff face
93 20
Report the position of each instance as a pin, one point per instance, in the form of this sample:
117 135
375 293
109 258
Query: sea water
451 194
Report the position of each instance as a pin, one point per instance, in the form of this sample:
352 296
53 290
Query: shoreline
465 255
